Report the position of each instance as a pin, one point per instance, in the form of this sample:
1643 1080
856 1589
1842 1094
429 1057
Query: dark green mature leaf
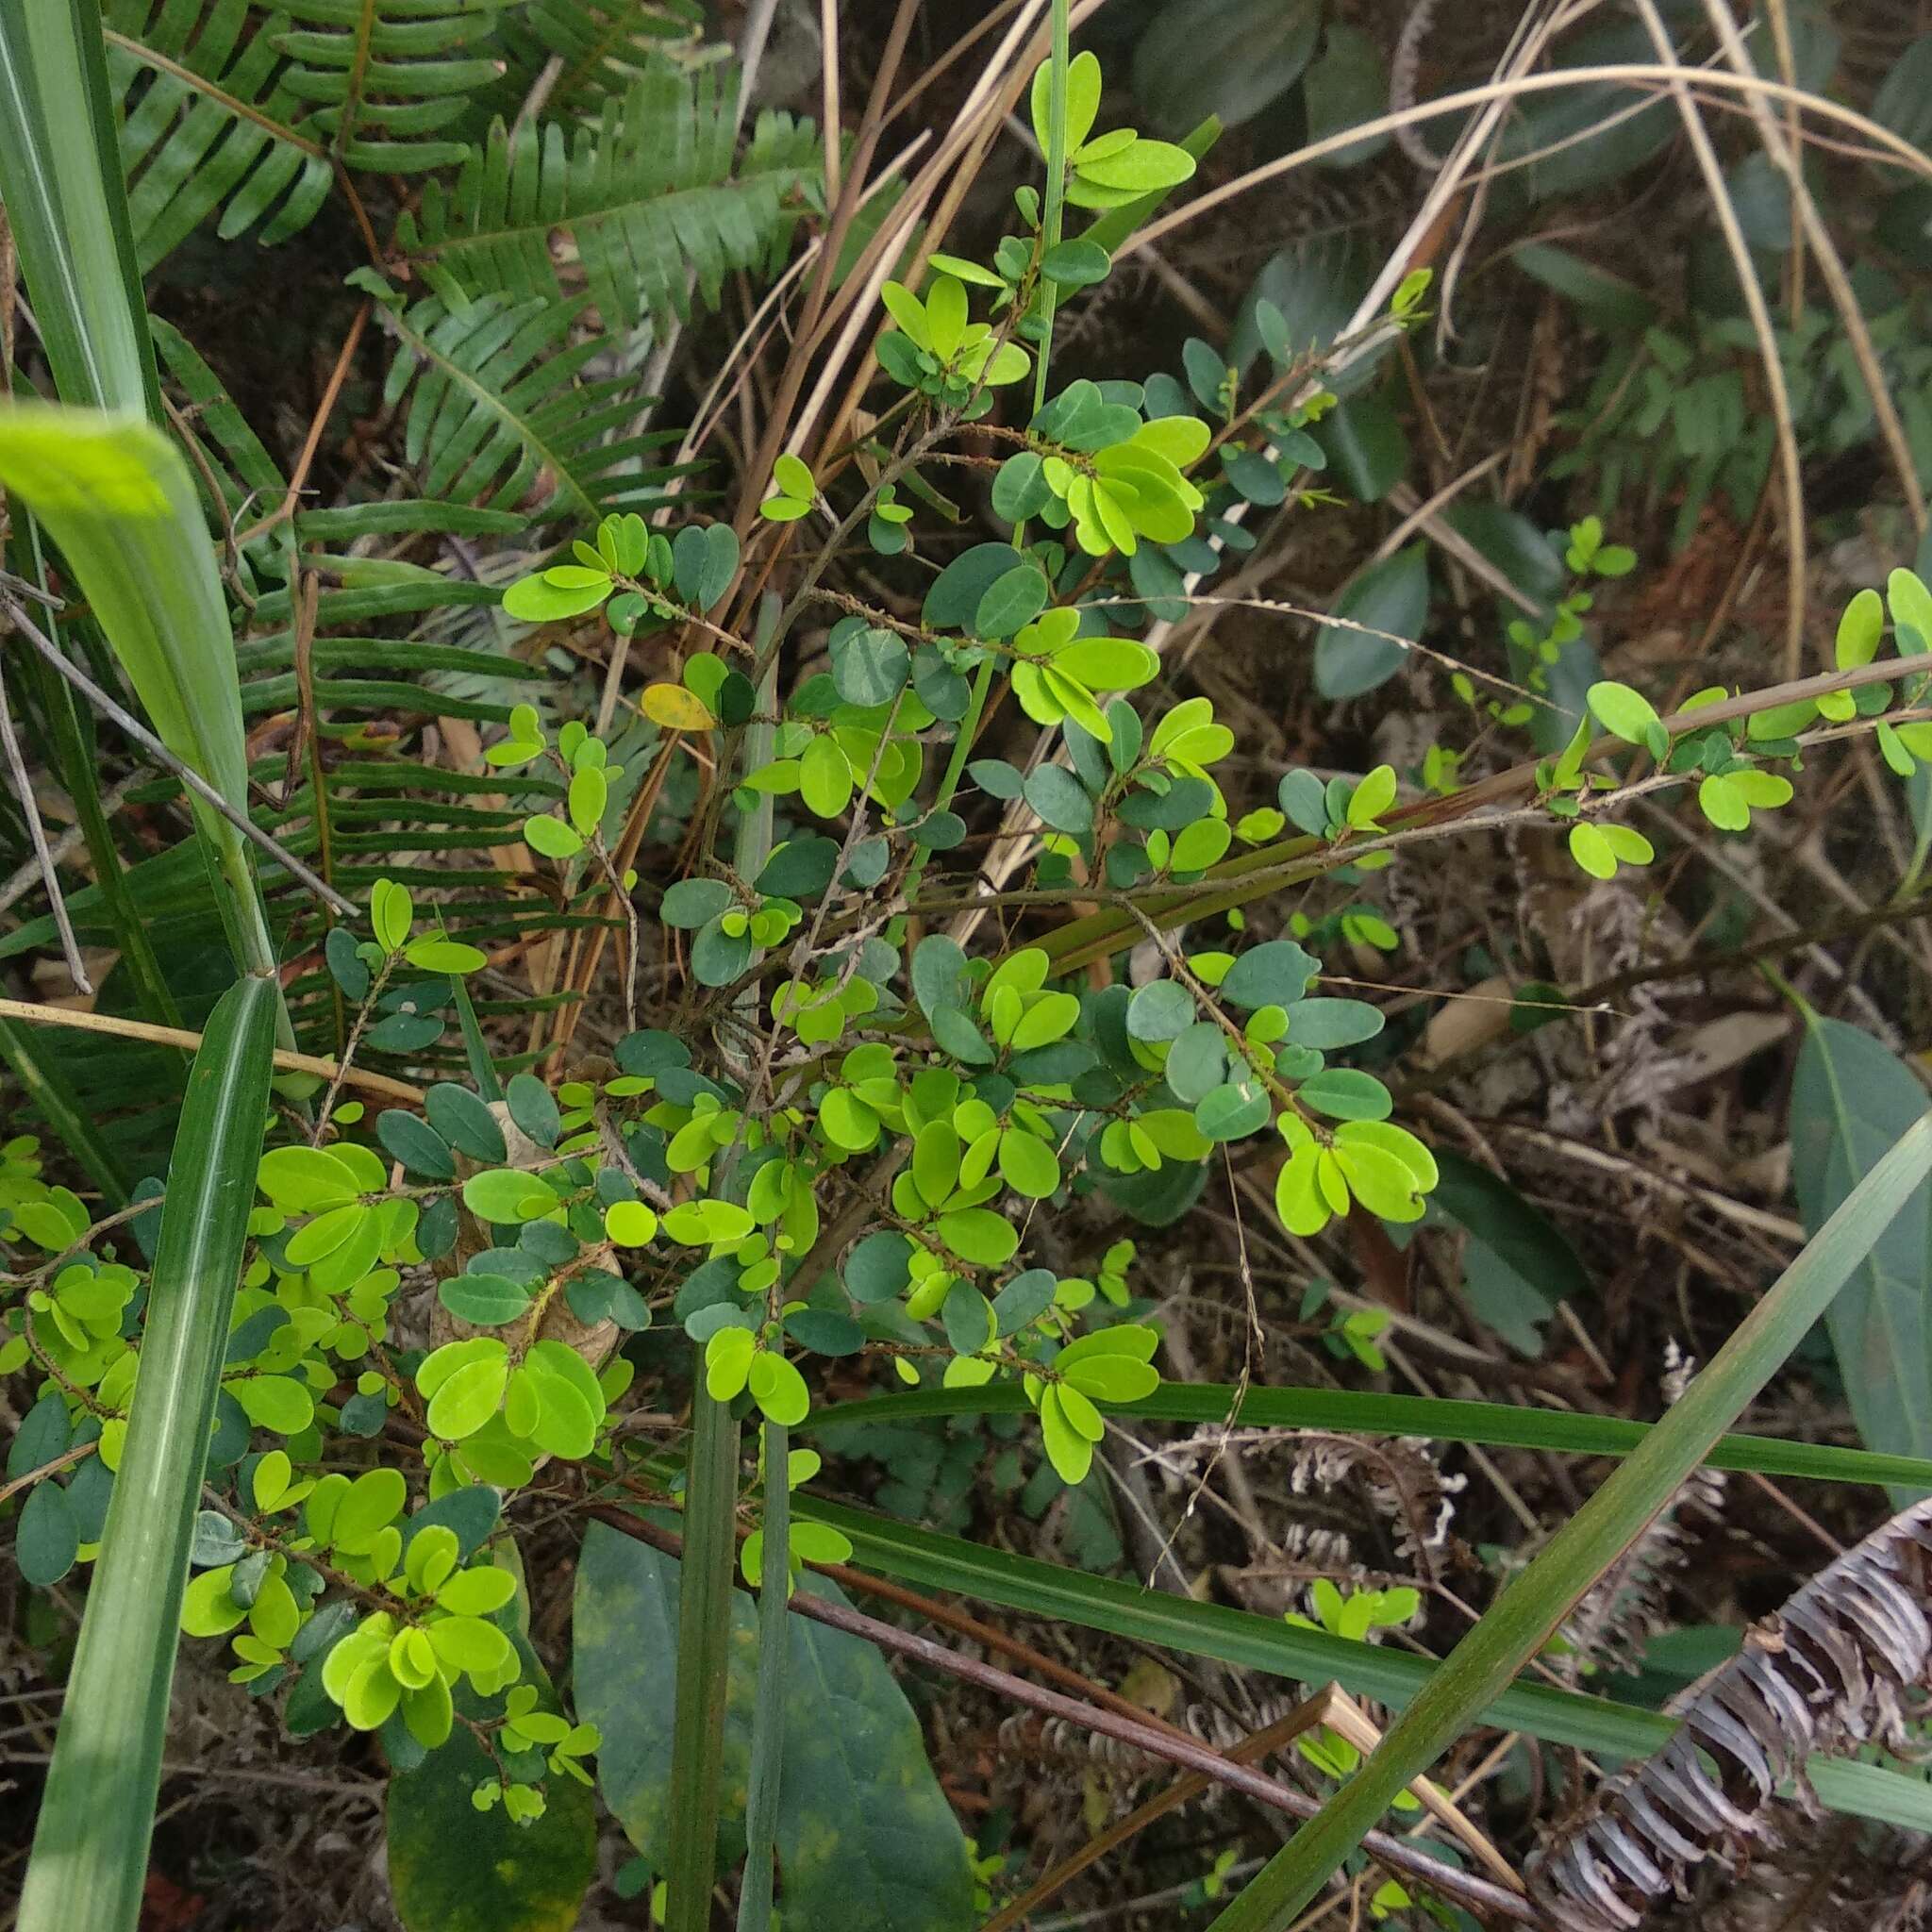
43 1436
1366 446
1516 546
1274 973
1326 1024
875 1270
801 867
1161 1010
869 665
691 903
465 1122
1347 84
415 1143
624 1636
490 1301
1011 601
1516 1266
952 601
1224 57
938 965
717 957
1391 597
704 560
1850 1101
47 1539
1606 299
533 1110
1578 138
1903 101
453 1868
866 1839
1061 799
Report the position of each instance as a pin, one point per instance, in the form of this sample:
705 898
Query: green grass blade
704 1635
476 1048
710 1509
1530 1607
89 1851
768 1708
1056 192
41 1080
67 201
116 495
1493 1425
1239 1637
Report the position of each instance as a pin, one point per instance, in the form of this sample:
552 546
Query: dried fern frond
1398 1474
1832 1871
1626 1606
1833 1670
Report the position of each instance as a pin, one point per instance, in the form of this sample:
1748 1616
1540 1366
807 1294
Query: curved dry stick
1628 73
1761 327
1831 266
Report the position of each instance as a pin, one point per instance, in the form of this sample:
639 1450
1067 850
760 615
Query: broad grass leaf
1391 597
866 1839
454 1869
1850 1101
1516 1266
1226 58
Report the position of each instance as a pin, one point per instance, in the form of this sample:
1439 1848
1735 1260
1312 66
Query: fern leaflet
645 194
602 46
387 75
497 409
209 119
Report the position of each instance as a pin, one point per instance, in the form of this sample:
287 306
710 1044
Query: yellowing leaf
676 709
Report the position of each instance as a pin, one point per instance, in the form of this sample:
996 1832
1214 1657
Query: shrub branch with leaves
829 1140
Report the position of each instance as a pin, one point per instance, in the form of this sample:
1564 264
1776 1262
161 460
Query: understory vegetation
965 970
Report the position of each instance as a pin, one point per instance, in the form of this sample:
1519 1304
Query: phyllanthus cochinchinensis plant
847 1139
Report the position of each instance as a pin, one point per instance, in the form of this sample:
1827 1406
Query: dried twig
30 812
1755 308
180 1036
16 616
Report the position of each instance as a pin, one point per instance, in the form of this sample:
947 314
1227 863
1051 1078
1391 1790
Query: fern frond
386 76
210 120
643 195
602 46
496 409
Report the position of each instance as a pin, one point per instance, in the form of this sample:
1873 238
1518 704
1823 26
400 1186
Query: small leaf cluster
647 579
